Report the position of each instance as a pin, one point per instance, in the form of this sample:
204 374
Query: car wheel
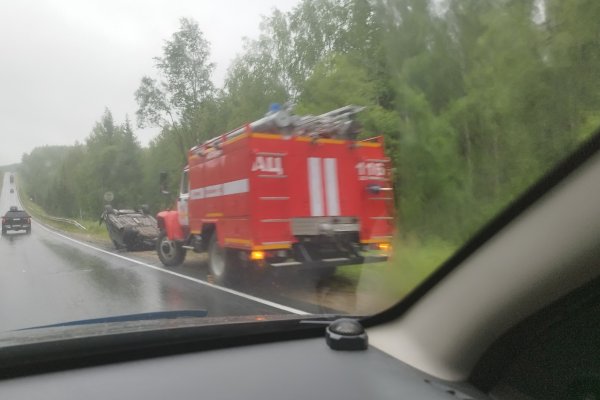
28 231
170 252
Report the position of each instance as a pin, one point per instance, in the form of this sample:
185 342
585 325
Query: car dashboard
301 369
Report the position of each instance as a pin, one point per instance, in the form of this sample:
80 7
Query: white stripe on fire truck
315 187
331 187
235 187
221 189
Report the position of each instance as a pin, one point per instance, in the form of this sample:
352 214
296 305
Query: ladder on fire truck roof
338 123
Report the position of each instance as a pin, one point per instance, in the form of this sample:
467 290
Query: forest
476 99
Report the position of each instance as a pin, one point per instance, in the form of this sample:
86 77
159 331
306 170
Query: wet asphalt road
46 278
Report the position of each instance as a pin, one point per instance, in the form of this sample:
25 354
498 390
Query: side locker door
182 202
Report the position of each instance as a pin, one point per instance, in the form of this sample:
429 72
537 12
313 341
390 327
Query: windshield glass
336 152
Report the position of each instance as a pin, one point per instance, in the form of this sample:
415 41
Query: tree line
475 99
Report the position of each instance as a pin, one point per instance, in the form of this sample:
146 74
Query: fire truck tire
323 273
219 261
170 253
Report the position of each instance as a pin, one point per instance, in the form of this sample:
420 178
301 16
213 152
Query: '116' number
370 168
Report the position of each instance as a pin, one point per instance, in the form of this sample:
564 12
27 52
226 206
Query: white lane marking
201 282
331 187
315 187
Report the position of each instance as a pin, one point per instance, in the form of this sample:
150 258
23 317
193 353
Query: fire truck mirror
163 179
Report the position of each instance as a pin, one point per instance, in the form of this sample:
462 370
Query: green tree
183 86
249 90
475 99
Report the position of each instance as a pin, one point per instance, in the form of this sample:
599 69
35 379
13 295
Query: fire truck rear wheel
170 252
219 260
319 274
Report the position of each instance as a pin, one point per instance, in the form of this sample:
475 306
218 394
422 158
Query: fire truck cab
285 191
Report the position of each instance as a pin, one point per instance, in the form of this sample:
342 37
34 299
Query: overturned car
130 229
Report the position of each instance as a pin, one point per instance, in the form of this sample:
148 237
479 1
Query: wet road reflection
46 279
336 294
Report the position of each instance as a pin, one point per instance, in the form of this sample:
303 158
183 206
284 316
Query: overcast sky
62 62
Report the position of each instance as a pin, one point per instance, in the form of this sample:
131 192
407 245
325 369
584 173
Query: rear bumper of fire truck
302 259
328 242
328 262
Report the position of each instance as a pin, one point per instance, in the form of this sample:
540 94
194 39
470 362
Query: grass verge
93 229
411 261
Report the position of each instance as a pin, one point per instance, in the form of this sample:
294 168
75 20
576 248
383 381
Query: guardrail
66 220
57 219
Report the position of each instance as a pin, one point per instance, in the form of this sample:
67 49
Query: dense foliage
475 98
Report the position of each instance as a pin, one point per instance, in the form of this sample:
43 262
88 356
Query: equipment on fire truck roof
338 123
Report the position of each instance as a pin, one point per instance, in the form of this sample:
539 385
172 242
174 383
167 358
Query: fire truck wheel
319 274
219 260
170 253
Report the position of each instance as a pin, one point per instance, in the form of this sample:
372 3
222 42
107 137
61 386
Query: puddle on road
338 293
363 296
14 237
334 294
125 287
96 272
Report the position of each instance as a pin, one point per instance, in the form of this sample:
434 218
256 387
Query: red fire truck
285 191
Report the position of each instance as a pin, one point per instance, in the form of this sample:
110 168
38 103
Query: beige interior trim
552 248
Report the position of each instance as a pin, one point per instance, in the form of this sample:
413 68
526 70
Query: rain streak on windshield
270 159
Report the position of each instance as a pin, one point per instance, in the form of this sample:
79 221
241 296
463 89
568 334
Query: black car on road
16 220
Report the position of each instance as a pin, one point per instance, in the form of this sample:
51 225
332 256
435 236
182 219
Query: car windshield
270 159
16 214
